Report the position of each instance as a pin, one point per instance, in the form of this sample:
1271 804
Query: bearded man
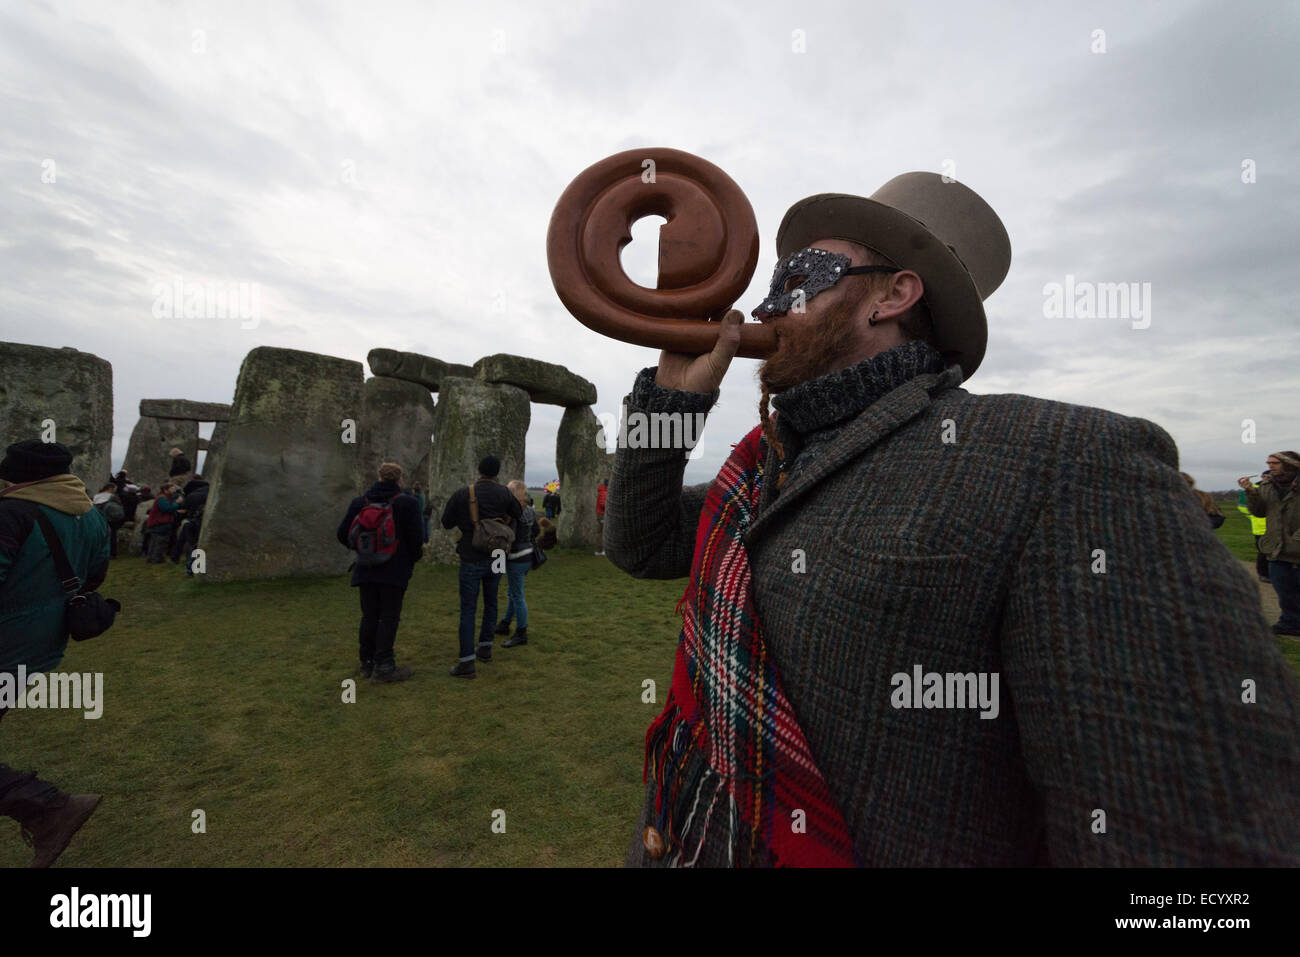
925 627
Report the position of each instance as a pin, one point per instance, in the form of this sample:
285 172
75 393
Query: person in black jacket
191 510
383 586
551 504
180 465
476 566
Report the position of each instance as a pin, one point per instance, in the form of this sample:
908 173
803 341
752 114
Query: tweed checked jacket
1121 738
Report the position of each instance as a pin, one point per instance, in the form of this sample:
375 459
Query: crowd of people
501 534
166 523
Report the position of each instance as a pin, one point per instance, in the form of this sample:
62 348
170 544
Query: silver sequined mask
802 275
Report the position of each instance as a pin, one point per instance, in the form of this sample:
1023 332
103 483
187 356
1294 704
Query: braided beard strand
769 433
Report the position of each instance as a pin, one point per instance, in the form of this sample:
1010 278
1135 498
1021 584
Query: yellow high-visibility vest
1257 524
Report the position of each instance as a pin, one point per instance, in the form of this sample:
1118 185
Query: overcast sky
384 172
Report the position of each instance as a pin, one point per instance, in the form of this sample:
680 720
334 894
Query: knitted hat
490 466
30 460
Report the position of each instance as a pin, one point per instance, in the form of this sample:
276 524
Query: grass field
228 698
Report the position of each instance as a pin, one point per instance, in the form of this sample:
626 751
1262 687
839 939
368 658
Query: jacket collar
879 420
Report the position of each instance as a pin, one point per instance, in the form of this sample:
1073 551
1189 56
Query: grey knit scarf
822 402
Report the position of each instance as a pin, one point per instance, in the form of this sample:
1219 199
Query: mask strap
863 270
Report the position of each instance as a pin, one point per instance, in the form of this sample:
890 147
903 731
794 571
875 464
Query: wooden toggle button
654 843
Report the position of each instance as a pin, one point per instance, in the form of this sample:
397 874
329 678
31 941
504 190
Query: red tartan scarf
727 753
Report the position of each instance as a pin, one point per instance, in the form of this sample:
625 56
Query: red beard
811 351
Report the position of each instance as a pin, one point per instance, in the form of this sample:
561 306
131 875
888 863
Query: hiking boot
463 669
385 676
367 669
503 628
520 638
51 831
484 651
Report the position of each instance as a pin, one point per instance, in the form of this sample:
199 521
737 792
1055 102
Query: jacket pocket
905 569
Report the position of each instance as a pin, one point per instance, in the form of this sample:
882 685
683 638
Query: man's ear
904 291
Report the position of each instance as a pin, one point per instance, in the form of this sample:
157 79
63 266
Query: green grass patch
228 698
1235 532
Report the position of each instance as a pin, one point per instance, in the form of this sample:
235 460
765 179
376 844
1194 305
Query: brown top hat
944 232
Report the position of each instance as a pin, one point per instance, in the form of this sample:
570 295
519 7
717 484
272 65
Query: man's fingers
724 350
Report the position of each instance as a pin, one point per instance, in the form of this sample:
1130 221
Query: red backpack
373 535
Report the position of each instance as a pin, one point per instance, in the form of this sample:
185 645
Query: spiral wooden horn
707 251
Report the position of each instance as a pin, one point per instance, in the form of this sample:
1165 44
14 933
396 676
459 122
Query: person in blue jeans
479 569
519 563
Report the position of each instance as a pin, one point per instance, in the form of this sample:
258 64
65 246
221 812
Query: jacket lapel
883 417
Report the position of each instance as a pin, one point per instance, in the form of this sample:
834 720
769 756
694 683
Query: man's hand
1244 482
678 370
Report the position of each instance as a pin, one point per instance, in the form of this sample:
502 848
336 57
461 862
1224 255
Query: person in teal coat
33 626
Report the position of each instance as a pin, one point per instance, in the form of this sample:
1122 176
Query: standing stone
413 367
148 457
59 395
544 382
581 461
216 446
288 470
472 419
396 426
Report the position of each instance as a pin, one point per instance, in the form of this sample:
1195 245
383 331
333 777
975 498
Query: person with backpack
383 527
486 514
43 498
158 526
110 505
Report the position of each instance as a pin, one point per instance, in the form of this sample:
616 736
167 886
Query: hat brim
960 325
